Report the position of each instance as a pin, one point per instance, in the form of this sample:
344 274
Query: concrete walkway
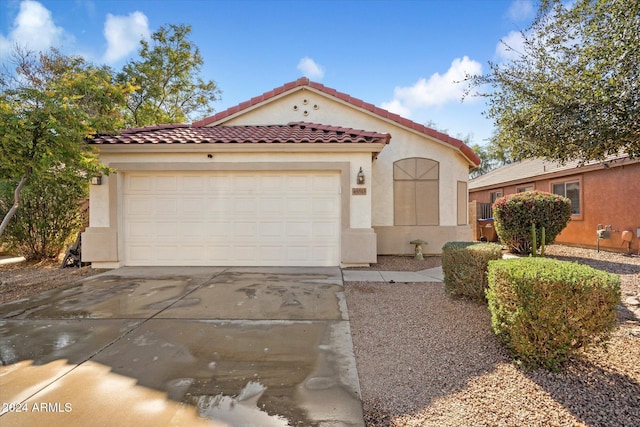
429 275
190 346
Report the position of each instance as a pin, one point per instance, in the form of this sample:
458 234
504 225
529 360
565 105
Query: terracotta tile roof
296 132
468 152
533 169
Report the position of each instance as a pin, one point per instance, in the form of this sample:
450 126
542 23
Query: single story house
302 175
605 195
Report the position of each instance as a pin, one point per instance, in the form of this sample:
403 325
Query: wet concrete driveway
182 346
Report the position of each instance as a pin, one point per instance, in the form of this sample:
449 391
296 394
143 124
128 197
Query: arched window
415 191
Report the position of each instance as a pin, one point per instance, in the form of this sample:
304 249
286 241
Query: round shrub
513 215
544 310
465 268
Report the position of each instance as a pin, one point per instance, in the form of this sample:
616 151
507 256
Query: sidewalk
429 275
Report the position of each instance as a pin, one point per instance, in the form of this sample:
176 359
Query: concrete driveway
182 346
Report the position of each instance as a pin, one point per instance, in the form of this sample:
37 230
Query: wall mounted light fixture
360 177
96 180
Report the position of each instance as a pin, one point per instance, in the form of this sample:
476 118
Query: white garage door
232 218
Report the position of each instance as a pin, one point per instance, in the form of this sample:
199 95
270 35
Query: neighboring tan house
302 175
604 195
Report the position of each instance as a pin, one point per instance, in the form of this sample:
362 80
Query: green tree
169 89
48 106
492 155
573 92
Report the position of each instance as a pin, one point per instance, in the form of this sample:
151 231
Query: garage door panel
192 207
245 254
322 184
322 253
140 229
246 207
192 230
244 230
167 184
165 207
324 230
244 184
221 207
271 206
299 254
325 207
193 184
139 183
272 184
167 253
217 184
298 208
270 230
298 183
139 253
217 230
216 252
193 253
140 206
167 231
273 255
298 230
232 218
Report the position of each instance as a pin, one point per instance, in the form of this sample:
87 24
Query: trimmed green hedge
514 214
544 310
465 267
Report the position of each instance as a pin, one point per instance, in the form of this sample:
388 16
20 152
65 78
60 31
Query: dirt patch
25 279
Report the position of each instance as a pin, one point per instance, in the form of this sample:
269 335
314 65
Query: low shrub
465 267
544 310
514 214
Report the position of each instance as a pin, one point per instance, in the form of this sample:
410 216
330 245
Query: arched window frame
416 198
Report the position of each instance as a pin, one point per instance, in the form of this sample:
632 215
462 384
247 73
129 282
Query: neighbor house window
570 190
525 188
415 192
494 195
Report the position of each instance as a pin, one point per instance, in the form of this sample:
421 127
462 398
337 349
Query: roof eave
342 147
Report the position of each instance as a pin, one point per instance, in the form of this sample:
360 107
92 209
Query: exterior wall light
96 180
360 177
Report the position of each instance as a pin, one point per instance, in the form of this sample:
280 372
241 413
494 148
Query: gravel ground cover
426 360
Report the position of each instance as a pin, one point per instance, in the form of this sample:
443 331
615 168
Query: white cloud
123 34
521 10
435 91
510 47
309 68
33 29
397 107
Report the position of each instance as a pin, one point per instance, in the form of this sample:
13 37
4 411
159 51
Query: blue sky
403 55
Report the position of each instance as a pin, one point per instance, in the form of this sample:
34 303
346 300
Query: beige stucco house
302 175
